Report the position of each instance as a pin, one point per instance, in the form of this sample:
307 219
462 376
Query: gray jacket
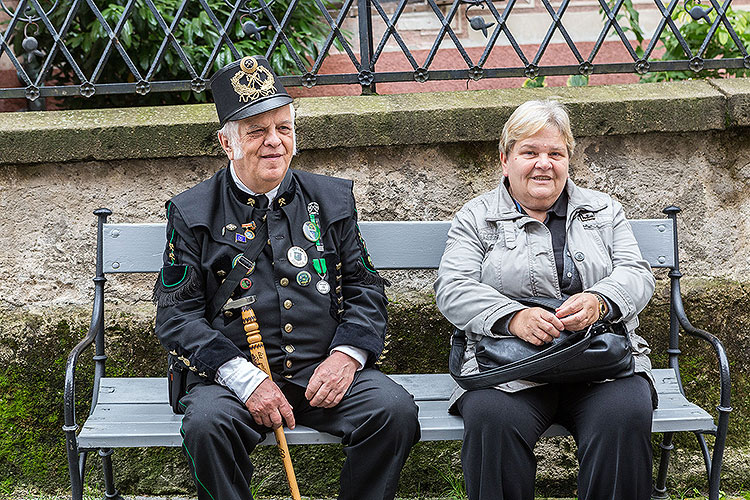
494 252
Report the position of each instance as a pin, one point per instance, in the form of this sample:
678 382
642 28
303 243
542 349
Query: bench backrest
138 248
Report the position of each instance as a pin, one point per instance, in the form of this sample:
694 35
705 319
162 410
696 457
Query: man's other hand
268 406
331 380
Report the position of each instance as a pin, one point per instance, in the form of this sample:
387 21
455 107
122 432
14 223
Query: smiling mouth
542 178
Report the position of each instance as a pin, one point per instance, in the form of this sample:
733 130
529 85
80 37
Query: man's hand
331 380
535 325
579 311
268 406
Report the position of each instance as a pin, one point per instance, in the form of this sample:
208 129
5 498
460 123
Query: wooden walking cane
258 356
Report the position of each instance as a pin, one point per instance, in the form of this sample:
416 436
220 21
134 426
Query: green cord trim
169 207
366 266
170 286
195 473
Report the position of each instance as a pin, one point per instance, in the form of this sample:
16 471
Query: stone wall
418 156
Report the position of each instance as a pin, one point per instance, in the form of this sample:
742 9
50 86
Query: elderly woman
538 234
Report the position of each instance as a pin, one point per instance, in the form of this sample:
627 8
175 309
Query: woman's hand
535 325
579 311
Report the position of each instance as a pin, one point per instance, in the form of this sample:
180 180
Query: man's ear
225 145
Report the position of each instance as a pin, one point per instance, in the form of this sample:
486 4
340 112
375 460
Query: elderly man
286 243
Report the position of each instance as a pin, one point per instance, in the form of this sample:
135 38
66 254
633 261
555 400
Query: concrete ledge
361 121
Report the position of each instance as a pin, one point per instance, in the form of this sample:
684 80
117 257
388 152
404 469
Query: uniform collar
278 197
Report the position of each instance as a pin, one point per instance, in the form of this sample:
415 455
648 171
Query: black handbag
600 352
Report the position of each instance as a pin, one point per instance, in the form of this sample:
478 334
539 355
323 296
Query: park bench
133 412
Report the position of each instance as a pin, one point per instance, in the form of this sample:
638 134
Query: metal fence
52 43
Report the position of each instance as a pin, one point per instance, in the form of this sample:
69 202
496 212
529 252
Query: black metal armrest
713 464
719 350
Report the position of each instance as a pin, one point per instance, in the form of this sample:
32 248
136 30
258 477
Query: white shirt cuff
359 355
240 376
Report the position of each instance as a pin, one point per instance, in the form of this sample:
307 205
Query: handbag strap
244 261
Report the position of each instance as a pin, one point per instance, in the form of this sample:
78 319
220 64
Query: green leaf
578 80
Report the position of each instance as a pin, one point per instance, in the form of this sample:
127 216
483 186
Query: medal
240 238
320 267
297 256
310 229
249 234
323 287
303 278
245 283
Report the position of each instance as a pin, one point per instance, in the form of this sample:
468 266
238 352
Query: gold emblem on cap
260 81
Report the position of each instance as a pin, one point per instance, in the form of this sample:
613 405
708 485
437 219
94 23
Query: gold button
338 266
338 289
288 327
289 348
221 273
284 281
228 314
288 363
287 304
338 277
288 376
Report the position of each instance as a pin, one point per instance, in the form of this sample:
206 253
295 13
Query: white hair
231 131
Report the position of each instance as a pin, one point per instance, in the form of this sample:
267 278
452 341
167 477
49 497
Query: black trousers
610 422
376 419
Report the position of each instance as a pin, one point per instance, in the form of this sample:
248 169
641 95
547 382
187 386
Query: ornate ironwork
38 67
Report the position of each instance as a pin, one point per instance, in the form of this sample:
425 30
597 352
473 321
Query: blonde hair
231 130
531 117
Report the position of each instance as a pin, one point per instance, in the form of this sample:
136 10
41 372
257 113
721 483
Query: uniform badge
303 278
245 283
249 234
311 231
252 81
240 238
297 256
313 208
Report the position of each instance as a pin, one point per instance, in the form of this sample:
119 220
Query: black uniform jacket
210 224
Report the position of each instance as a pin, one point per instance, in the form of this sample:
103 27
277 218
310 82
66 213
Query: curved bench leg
110 492
74 463
660 486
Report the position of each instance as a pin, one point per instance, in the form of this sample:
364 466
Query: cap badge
259 80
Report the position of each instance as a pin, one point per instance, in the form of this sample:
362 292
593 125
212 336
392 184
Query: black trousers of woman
610 422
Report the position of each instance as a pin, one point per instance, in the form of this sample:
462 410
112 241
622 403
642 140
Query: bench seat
133 412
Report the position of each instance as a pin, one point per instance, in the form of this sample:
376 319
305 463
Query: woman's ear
504 163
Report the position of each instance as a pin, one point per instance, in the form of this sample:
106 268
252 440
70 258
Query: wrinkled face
265 148
537 168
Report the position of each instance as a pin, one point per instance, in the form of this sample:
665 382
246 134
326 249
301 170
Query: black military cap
247 87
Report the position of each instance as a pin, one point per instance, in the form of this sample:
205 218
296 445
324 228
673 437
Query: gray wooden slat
133 248
655 239
138 248
133 412
405 245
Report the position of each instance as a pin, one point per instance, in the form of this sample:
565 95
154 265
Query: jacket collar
505 208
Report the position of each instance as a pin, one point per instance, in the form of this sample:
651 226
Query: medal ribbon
318 243
320 267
